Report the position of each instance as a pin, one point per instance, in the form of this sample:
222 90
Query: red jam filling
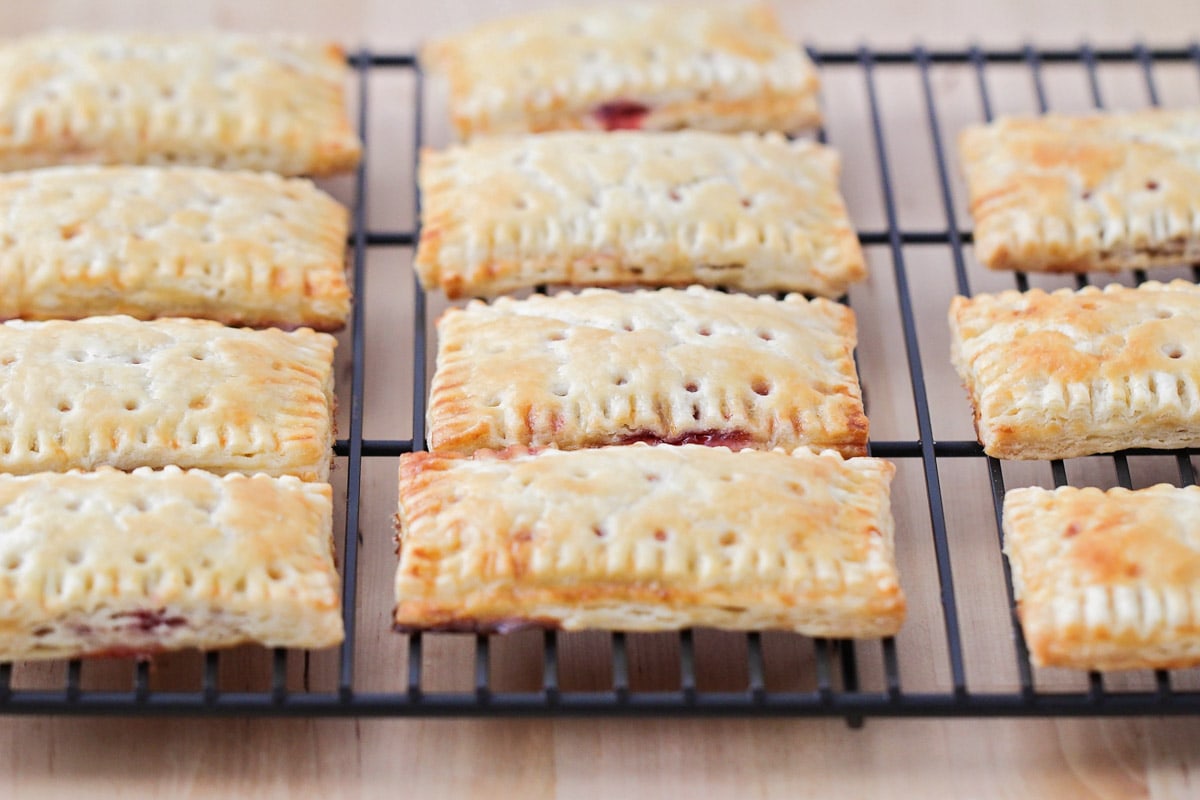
148 620
734 440
621 115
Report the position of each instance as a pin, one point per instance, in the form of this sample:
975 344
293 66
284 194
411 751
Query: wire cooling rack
836 686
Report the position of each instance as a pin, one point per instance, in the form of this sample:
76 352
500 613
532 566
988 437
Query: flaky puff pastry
114 563
1069 373
1074 194
226 100
1107 580
115 391
242 248
601 367
722 67
749 212
644 538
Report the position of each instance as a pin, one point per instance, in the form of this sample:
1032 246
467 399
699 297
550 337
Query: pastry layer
724 67
648 538
238 247
1107 580
123 393
1069 373
757 213
1086 193
114 563
216 99
601 367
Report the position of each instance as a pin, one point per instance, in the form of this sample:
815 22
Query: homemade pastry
119 392
1107 580
214 99
1087 193
1074 373
114 563
239 247
601 367
644 538
757 213
724 67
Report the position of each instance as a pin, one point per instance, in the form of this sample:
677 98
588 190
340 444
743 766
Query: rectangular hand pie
757 213
725 67
217 100
1107 580
239 247
114 563
1086 193
123 393
644 538
1075 373
601 367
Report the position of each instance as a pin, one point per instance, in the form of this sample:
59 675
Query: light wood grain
49 757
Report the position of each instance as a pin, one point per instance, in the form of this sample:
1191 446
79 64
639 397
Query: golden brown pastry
749 212
1105 192
123 393
242 248
723 67
1069 374
223 100
601 367
648 538
1107 580
114 563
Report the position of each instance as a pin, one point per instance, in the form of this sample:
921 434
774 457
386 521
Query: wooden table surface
95 758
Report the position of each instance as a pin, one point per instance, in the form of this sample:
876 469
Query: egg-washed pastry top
1072 373
603 367
722 67
749 212
1072 194
1107 579
119 392
227 100
641 537
243 248
113 563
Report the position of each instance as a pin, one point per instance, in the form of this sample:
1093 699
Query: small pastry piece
644 538
757 213
1107 580
118 392
1075 373
725 67
1088 193
601 367
239 247
114 563
215 99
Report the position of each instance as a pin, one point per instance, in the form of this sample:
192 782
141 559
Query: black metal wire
756 669
837 692
350 539
550 666
912 348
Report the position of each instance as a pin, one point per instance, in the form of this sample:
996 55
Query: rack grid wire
837 663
